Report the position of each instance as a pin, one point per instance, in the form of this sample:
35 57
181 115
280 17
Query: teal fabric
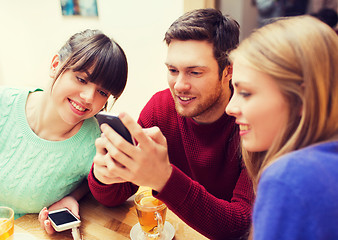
34 172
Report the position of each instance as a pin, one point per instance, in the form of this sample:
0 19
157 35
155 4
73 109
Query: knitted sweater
208 188
35 172
297 196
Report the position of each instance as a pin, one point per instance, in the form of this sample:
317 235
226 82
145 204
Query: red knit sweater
208 188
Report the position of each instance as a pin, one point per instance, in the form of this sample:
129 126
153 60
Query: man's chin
184 113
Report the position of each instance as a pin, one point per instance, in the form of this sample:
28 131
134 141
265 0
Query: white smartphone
115 123
63 219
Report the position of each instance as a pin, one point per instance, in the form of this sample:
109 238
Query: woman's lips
77 108
243 129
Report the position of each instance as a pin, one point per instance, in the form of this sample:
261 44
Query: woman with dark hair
47 136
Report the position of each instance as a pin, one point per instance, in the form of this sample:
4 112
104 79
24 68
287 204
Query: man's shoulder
163 95
160 110
162 101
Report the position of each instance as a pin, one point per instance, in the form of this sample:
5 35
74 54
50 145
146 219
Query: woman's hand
67 202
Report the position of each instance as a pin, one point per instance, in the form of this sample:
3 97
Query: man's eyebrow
197 67
189 67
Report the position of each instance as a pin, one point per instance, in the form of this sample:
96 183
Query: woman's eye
103 93
81 80
245 94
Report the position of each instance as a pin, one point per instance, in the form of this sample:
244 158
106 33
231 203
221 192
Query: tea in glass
151 214
6 223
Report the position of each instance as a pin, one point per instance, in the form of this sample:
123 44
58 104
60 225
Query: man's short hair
210 25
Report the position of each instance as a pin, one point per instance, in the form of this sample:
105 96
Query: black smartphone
115 123
63 219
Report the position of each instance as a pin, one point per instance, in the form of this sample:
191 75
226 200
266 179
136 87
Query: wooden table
103 223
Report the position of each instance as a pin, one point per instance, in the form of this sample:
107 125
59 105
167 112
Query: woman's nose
233 108
88 93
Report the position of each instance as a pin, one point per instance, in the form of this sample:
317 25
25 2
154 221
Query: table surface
103 223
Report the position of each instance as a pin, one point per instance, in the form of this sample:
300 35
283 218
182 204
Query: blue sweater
34 172
297 196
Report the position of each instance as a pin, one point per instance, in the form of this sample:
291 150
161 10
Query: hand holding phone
115 123
63 219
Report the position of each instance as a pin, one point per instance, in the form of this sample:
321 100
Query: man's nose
181 83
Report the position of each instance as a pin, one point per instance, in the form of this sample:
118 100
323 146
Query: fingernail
46 223
103 126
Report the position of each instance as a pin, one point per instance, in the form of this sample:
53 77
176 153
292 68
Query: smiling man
189 155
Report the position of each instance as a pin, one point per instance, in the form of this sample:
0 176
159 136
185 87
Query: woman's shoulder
10 95
305 163
9 91
313 153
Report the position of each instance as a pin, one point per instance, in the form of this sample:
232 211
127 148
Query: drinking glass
6 223
151 214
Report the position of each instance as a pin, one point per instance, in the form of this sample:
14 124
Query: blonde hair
301 55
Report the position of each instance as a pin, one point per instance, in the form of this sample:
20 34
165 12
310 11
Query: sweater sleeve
110 195
213 217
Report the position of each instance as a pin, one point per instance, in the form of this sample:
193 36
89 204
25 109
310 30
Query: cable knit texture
208 188
35 172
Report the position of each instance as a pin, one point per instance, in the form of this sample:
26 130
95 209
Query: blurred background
32 31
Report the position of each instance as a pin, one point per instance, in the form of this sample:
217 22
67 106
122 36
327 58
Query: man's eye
171 70
81 80
196 73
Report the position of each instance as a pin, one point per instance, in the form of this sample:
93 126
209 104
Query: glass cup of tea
6 223
151 214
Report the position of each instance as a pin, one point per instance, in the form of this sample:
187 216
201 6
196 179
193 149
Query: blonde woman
286 104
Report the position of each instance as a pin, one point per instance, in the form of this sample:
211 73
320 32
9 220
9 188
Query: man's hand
146 164
104 165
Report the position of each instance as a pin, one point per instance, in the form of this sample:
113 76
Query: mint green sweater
34 172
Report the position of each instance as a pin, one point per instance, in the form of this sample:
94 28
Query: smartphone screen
63 219
116 124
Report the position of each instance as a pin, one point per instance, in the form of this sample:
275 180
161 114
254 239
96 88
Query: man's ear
54 66
227 73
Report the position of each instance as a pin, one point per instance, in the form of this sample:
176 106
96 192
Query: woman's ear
54 66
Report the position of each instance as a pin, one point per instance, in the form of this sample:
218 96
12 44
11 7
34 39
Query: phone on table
115 123
63 219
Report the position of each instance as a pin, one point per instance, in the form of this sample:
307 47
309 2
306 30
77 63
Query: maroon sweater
208 188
